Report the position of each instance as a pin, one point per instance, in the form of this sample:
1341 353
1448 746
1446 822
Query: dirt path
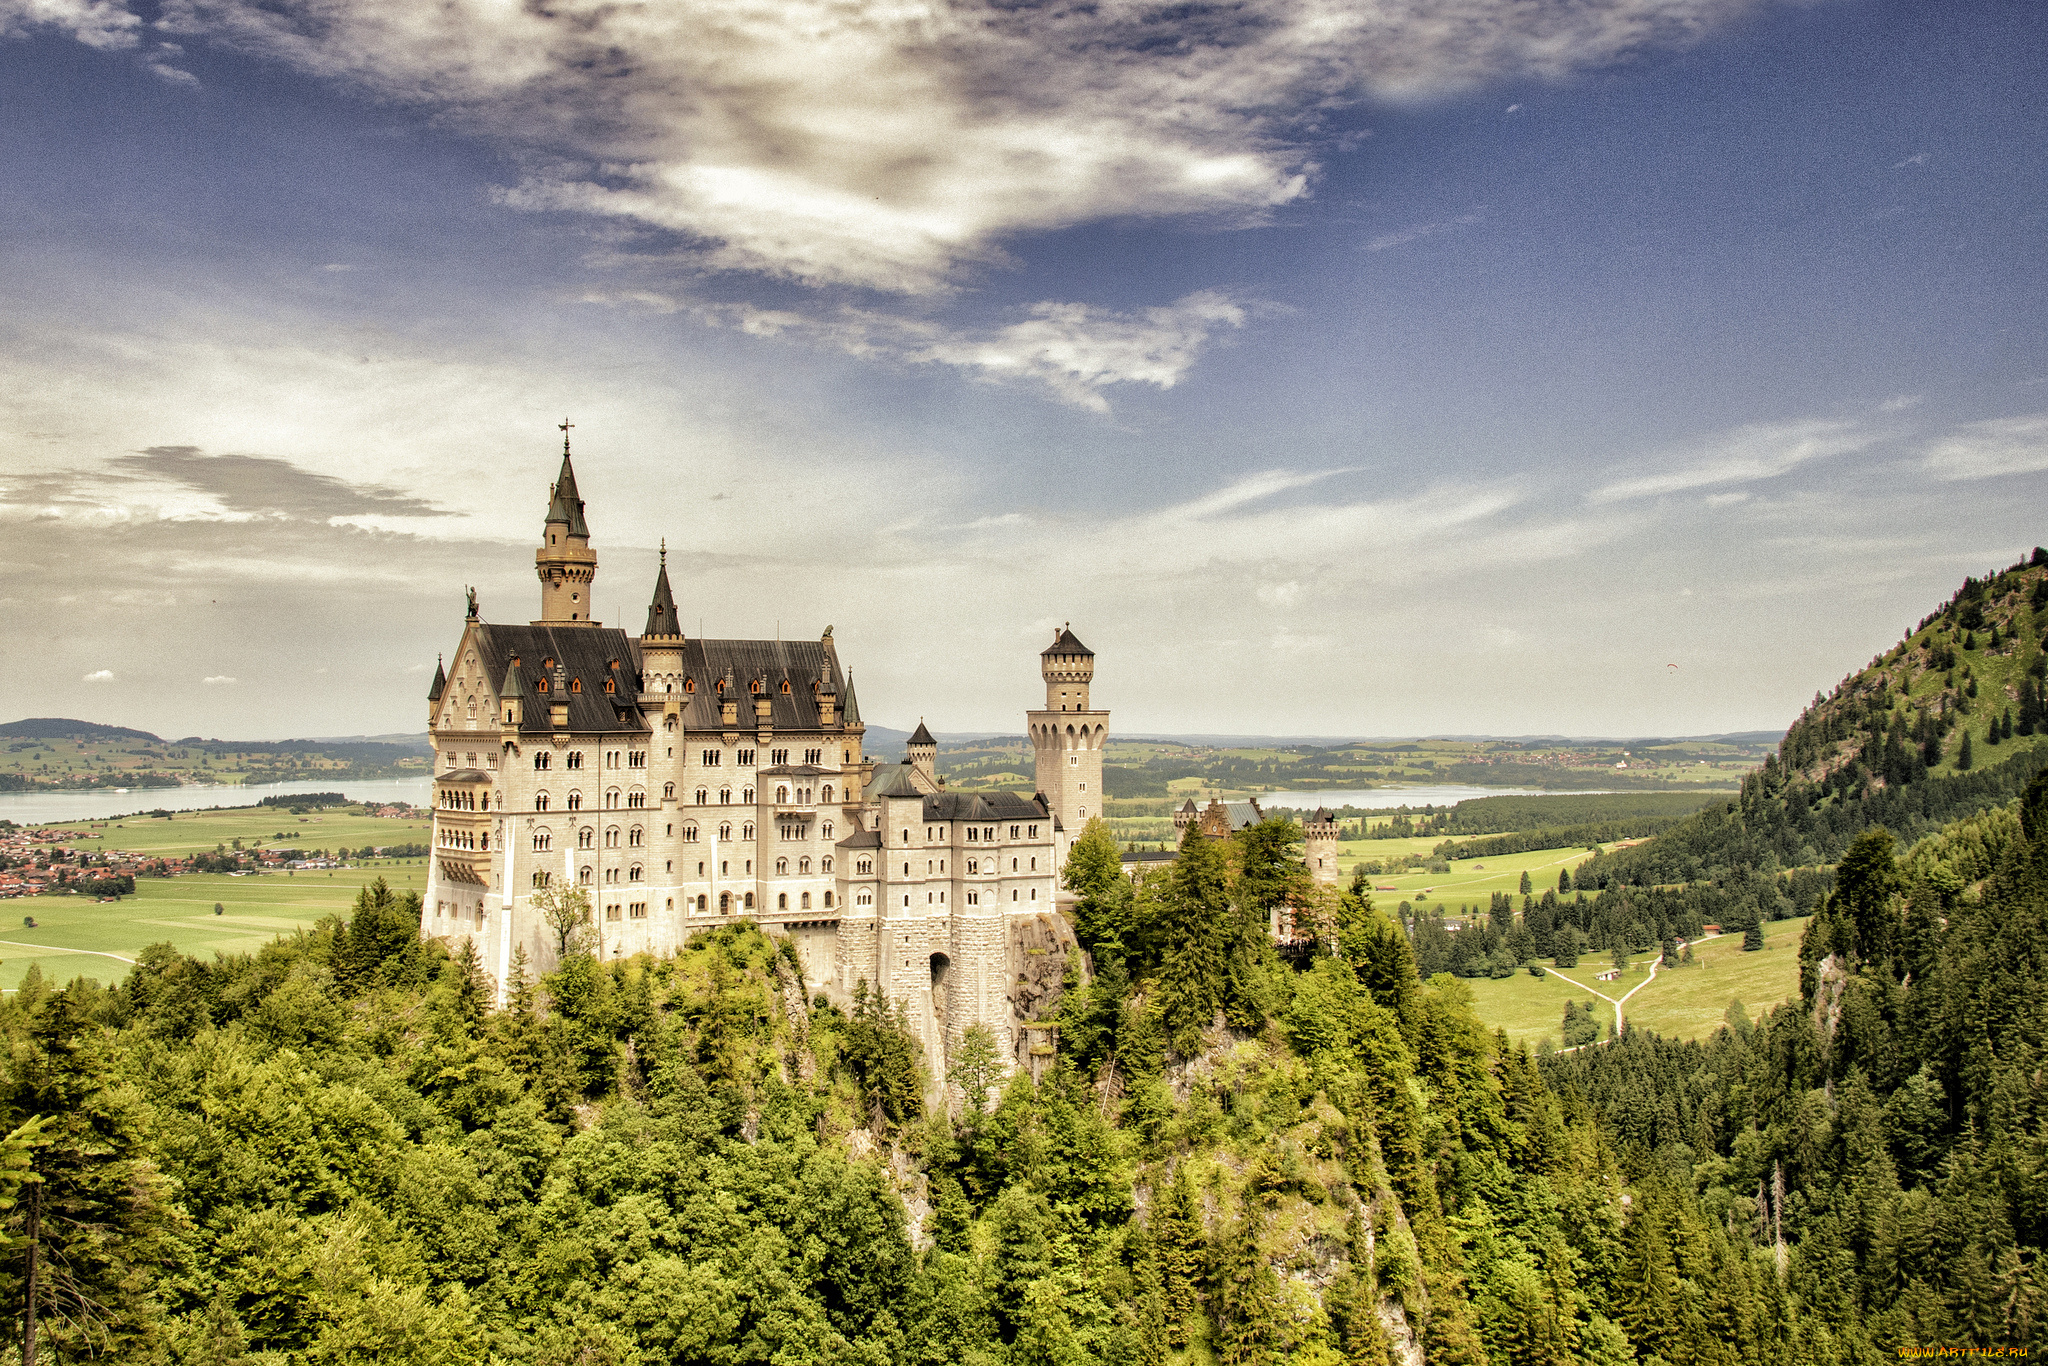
1619 1004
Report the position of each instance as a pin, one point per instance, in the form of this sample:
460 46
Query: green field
76 936
1470 882
193 832
1687 1002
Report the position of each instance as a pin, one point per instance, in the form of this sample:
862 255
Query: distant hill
63 728
1947 722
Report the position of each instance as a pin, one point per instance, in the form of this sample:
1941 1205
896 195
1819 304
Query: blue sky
1376 368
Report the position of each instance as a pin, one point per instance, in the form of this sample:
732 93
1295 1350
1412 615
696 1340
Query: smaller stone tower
566 564
1068 736
1319 834
922 754
661 649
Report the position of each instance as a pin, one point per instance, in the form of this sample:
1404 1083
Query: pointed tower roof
563 504
921 736
661 608
440 681
515 682
850 713
1066 643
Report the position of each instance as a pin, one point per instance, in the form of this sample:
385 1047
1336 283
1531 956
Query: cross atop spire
563 426
664 552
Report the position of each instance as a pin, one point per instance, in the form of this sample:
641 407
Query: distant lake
66 808
1381 798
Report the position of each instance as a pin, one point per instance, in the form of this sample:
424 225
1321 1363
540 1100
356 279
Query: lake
66 808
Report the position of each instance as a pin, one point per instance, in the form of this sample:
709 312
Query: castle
684 784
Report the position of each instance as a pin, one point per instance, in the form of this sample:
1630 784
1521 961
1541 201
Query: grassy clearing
1472 882
79 937
1683 1003
192 832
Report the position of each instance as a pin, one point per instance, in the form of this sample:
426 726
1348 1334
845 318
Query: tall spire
565 562
661 609
440 682
849 712
563 504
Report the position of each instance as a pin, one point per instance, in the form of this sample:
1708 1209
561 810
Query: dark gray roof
897 784
850 713
982 806
921 736
464 775
1322 816
1149 856
802 662
589 655
1066 643
440 684
1243 814
796 771
861 839
661 608
563 504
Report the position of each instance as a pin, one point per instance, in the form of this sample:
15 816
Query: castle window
702 904
754 686
542 686
637 759
825 864
713 758
1033 832
611 838
747 796
668 792
778 757
1013 865
781 867
540 801
611 912
803 865
541 840
725 796
576 685
703 797
806 901
542 760
1073 761
611 799
540 879
669 724
725 830
748 901
973 832
828 901
690 833
725 903
689 685
1083 813
781 795
864 867
747 831
633 837
1013 832
785 687
864 899
812 756
583 877
636 799
576 801
610 686
974 865
743 757
633 873
585 837
827 794
906 837
825 830
638 910
573 759
782 901
974 898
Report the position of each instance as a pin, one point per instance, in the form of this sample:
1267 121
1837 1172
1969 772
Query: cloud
1985 450
99 676
1076 350
264 485
103 24
216 680
1421 230
1746 455
1917 159
1900 403
899 146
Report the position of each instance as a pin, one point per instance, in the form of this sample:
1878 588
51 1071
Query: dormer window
721 687
611 685
689 685
543 685
575 685
755 687
785 687
548 663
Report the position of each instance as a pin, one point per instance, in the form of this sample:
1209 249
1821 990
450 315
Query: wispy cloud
895 146
1421 230
1746 455
1078 351
1985 450
99 676
1917 159
266 486
216 680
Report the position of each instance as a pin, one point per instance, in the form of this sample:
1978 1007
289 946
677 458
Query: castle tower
661 647
565 562
1319 834
1068 736
922 754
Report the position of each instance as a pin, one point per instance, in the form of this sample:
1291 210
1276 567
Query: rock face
1037 952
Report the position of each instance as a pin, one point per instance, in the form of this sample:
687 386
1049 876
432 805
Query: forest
334 1150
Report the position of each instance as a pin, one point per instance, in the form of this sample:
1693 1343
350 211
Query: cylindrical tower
566 564
1068 737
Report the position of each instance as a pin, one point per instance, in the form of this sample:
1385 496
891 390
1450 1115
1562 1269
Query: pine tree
1753 934
1177 1238
1194 936
1527 886
1964 759
1564 881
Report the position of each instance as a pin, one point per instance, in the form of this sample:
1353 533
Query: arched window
585 837
636 799
575 801
748 901
611 838
701 904
807 901
540 879
633 837
541 841
542 760
668 792
826 830
781 867
689 685
583 877
782 796
906 837
725 903
865 867
611 799
690 833
540 801
825 864
803 865
725 796
782 901
575 685
633 873
865 898
747 831
785 687
828 901
702 796
974 865
725 830
827 795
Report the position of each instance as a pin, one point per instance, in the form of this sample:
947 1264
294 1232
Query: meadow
193 832
1686 1002
1469 883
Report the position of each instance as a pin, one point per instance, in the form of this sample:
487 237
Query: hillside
56 753
1948 721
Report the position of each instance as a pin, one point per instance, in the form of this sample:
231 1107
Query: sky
1393 367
